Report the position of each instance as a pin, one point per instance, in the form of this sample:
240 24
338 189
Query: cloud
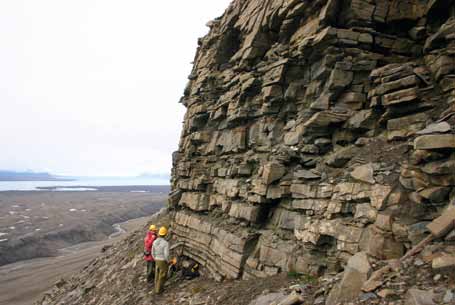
91 87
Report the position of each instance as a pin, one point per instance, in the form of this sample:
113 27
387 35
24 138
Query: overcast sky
91 87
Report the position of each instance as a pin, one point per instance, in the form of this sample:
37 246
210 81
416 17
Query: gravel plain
47 235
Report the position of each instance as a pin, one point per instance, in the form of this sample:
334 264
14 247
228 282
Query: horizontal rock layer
315 130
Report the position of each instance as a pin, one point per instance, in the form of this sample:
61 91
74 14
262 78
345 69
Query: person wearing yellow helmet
148 243
160 252
162 232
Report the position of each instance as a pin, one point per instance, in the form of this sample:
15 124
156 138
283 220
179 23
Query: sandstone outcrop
315 130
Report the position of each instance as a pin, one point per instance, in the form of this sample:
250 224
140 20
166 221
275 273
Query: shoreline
109 188
157 188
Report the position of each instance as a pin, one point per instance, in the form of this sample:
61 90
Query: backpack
191 271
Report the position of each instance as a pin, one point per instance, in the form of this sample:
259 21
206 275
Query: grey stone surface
326 126
356 273
419 297
364 173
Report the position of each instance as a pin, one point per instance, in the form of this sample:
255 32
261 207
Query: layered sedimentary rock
315 130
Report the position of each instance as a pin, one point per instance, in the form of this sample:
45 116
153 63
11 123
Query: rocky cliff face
316 130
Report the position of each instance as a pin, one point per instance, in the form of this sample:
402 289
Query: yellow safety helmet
152 228
163 231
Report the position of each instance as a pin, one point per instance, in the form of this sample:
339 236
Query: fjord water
115 181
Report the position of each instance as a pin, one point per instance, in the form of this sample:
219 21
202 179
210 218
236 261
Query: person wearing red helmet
148 243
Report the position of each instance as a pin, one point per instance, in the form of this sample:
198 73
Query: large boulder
419 297
435 141
355 274
441 127
270 298
443 224
364 173
272 172
444 263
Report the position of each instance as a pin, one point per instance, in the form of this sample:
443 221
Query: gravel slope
23 283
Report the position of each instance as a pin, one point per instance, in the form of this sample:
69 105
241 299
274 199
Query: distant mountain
29 176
